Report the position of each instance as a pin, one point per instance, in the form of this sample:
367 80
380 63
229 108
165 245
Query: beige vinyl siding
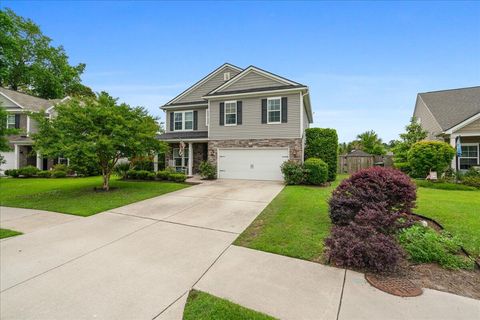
427 120
252 80
201 119
473 127
212 83
252 126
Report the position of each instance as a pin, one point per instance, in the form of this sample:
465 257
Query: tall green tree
413 134
100 130
4 133
370 142
31 64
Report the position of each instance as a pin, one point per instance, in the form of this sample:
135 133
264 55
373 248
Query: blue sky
363 61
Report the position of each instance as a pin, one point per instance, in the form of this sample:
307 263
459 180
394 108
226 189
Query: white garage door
9 158
251 164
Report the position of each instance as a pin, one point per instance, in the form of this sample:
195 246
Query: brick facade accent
294 145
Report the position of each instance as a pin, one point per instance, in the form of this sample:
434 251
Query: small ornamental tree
413 133
323 144
99 129
387 187
426 156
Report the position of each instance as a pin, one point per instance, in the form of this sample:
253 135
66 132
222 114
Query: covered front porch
186 156
469 144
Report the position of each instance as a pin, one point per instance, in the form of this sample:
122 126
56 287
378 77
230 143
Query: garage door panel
252 164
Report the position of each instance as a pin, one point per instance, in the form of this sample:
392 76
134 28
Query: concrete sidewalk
295 289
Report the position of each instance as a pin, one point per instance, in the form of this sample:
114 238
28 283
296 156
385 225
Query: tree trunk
106 180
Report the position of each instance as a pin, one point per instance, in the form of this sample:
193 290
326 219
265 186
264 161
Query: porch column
155 162
453 137
17 157
190 158
39 161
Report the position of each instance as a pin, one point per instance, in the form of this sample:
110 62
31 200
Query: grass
76 195
6 233
294 224
457 211
444 185
203 306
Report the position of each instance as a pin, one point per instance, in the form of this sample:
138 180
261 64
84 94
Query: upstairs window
274 110
183 121
178 116
230 113
11 121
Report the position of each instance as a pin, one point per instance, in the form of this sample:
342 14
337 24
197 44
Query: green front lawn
457 211
203 306
77 195
6 233
294 224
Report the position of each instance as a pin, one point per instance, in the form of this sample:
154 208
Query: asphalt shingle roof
29 102
451 107
183 135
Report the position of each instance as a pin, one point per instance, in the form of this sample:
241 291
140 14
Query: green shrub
122 169
402 166
177 177
425 245
58 174
132 174
316 171
323 144
293 172
12 173
28 171
426 156
44 174
472 181
61 167
207 170
472 173
443 185
163 175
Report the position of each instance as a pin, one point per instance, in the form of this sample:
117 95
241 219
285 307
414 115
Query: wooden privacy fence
358 160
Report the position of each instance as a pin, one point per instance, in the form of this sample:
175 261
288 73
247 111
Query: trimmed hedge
160 175
424 156
323 144
293 172
207 170
316 171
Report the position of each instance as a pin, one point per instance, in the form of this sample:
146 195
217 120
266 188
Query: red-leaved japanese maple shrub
387 187
362 247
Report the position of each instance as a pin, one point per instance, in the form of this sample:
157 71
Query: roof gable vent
226 76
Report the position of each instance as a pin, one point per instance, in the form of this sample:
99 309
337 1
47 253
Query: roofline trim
254 93
18 104
254 69
185 106
472 87
202 81
463 124
428 109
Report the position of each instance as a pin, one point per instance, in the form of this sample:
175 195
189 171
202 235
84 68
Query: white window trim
268 112
478 152
183 120
10 123
225 113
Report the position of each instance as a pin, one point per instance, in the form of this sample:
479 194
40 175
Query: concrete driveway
132 262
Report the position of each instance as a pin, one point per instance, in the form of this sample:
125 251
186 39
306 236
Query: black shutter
17 121
171 121
239 112
284 110
264 110
195 120
222 113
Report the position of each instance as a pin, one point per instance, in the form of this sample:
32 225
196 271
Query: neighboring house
245 121
17 106
449 114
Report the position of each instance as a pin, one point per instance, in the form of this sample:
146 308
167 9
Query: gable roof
452 107
277 82
28 102
198 84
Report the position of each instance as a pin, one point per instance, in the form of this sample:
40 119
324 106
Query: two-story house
453 116
18 105
245 121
